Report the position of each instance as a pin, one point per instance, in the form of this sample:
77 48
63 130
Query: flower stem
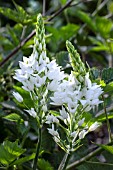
37 150
107 120
64 162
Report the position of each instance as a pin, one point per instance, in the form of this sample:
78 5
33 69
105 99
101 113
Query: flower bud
18 97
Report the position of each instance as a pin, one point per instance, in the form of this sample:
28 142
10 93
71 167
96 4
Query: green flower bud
76 62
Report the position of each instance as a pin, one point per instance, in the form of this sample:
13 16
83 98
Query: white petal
18 97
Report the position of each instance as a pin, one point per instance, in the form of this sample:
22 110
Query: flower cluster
37 74
47 84
77 95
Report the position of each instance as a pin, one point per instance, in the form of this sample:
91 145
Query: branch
80 161
33 33
87 157
44 7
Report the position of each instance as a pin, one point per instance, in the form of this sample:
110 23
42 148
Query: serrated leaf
9 13
9 151
107 75
13 117
44 165
18 15
13 148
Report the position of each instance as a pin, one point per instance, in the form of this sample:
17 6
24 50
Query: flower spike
76 62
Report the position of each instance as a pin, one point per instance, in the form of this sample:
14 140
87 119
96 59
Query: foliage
88 25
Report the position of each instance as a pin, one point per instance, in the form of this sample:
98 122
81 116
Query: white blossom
18 97
32 112
53 85
44 108
82 134
63 114
94 126
53 132
81 122
51 119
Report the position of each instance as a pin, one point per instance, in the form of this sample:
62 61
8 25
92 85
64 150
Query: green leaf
12 14
63 1
110 7
11 106
107 75
102 117
94 73
9 151
104 26
13 117
24 159
44 165
99 48
62 58
66 33
106 147
108 87
55 113
94 40
14 37
86 19
18 15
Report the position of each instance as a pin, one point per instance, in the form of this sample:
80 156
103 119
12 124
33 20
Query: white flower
21 75
28 85
90 94
32 112
82 134
94 126
58 98
63 114
74 134
51 119
81 122
18 97
53 85
39 81
87 80
53 132
56 139
44 108
54 72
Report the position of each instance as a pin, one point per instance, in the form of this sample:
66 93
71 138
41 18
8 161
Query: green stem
107 120
64 162
37 150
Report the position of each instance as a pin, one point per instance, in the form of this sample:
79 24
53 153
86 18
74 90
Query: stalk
37 150
107 120
64 162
